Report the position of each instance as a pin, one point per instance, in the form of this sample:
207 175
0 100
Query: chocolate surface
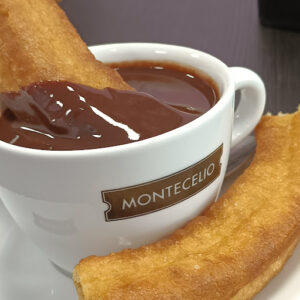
60 115
178 86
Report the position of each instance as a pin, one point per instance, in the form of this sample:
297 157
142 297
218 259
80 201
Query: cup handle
252 103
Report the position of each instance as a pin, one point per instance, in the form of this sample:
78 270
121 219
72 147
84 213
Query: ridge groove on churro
232 250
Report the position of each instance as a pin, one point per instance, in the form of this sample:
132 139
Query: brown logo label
152 196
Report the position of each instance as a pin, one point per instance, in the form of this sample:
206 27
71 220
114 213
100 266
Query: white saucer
25 273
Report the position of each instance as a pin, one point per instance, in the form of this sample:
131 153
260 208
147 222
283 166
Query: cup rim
173 134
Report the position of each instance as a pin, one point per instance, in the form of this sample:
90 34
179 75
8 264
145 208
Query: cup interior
196 60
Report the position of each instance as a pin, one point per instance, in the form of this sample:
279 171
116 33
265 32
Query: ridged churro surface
232 250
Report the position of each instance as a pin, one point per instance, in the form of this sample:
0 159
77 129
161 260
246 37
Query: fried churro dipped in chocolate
38 43
232 250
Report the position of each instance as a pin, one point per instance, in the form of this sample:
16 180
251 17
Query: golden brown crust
37 42
253 287
232 250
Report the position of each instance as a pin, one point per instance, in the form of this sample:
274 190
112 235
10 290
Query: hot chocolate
60 115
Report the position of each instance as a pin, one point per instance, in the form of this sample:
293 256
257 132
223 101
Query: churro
38 43
229 252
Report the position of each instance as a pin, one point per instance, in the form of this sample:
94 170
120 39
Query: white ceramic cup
60 199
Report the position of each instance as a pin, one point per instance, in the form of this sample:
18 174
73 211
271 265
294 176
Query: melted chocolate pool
60 115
